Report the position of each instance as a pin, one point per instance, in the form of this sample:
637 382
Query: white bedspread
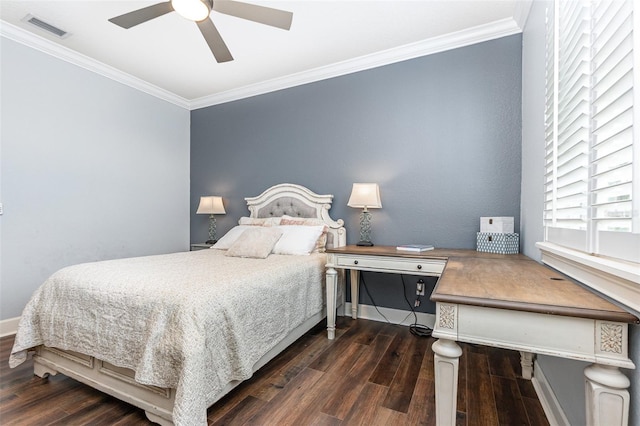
192 321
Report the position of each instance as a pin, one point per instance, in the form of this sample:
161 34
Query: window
592 152
592 202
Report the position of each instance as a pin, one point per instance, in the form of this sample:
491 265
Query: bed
172 334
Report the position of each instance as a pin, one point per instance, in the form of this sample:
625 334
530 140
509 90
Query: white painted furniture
375 259
158 403
512 302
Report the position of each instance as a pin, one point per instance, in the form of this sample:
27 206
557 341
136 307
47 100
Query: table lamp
365 195
211 205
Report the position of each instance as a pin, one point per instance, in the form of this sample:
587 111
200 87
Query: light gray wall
441 135
565 376
91 169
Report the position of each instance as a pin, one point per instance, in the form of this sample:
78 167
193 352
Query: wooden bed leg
42 370
157 419
332 295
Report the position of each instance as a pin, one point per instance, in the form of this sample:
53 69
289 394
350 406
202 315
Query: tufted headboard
298 201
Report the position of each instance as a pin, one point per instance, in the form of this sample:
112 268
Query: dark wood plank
481 404
351 384
388 365
402 387
511 409
328 358
289 403
501 365
535 412
273 377
526 388
288 391
421 410
241 412
364 410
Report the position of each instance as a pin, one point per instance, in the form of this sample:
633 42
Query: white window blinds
591 146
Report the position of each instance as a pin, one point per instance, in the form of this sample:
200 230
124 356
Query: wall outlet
1 209
420 288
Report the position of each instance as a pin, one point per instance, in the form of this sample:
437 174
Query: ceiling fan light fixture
193 10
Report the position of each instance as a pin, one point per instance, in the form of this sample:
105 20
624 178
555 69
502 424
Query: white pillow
309 221
266 221
297 239
230 237
256 242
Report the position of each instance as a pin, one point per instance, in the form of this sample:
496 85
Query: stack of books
415 247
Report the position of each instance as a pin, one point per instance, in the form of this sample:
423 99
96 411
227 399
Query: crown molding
481 33
44 45
521 12
486 32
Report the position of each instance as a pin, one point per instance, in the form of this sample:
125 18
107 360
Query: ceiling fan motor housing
193 10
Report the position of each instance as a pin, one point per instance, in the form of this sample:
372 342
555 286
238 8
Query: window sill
618 280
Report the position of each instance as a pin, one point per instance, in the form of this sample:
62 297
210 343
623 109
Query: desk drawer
392 264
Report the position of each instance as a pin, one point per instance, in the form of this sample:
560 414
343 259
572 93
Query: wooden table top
512 281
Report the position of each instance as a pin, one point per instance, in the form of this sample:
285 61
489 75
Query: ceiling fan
198 11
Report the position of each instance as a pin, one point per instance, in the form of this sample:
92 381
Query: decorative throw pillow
256 242
297 239
309 221
230 237
262 221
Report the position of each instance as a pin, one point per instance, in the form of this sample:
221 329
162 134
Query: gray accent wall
565 376
440 134
90 169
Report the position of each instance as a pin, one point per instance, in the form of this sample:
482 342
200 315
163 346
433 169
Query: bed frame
289 199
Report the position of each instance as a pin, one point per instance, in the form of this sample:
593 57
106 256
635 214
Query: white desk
375 259
507 301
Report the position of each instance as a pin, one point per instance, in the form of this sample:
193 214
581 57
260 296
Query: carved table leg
332 296
355 287
607 397
526 361
446 361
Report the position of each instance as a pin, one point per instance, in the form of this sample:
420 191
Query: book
415 247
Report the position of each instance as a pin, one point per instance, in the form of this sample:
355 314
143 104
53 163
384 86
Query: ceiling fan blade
139 16
214 40
263 15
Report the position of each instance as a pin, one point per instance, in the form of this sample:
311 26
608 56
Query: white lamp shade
210 205
365 195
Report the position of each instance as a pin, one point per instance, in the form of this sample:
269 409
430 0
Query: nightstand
200 246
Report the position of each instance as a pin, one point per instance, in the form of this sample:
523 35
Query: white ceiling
169 58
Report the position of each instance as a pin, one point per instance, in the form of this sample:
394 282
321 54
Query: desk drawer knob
355 262
419 266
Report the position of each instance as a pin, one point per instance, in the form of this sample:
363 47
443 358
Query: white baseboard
9 326
395 316
550 405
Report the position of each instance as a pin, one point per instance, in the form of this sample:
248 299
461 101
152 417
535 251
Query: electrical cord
372 301
415 328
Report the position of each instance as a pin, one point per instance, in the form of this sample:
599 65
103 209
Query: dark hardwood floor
372 374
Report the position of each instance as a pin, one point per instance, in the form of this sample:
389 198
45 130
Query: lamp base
365 243
211 242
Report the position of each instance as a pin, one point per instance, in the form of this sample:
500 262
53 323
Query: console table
507 301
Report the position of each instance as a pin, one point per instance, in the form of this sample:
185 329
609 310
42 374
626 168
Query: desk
507 301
